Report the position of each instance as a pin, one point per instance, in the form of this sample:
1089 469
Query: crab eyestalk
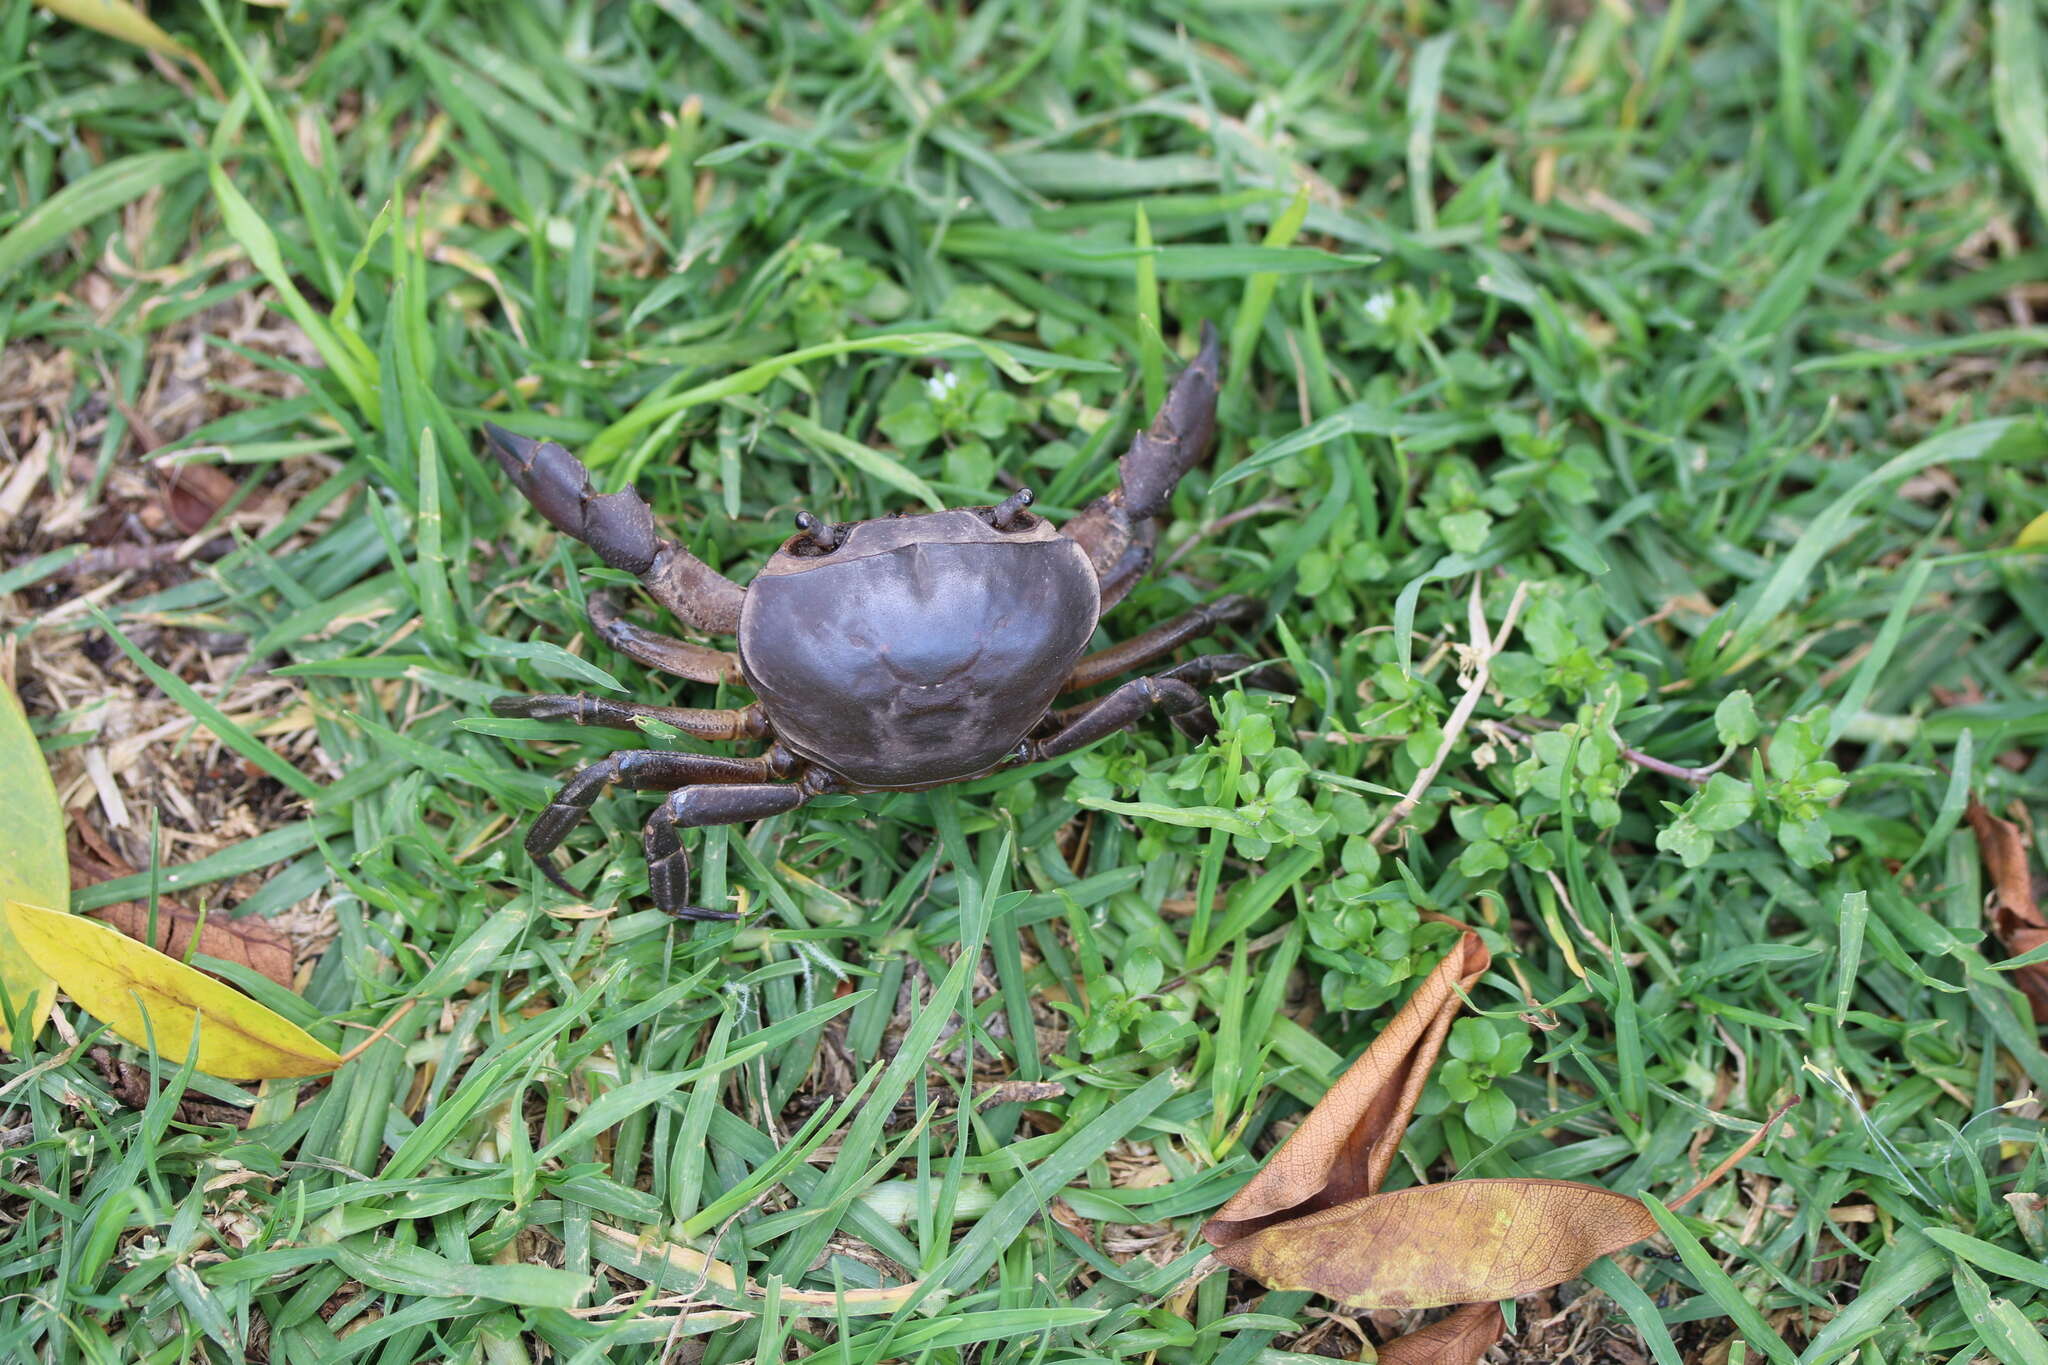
1008 509
819 533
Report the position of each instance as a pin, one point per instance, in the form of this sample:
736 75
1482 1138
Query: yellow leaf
117 19
33 868
2034 535
149 998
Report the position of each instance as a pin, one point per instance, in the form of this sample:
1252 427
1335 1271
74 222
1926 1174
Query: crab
895 654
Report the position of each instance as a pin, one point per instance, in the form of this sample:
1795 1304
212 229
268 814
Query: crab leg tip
507 442
702 913
547 869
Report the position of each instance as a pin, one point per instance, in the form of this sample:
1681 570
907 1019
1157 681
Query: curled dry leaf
2016 916
33 868
153 1000
1314 1218
1344 1148
1455 1338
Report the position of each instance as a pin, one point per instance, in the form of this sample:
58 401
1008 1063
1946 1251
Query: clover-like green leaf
1735 718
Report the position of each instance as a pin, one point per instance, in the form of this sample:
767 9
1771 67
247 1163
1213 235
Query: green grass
1706 326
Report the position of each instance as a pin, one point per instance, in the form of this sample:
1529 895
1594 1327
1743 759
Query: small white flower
1380 307
942 383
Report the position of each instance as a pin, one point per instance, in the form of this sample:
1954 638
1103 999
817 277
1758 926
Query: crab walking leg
1160 641
698 663
1204 669
620 527
1130 566
1199 672
668 862
577 709
1158 459
641 770
1124 707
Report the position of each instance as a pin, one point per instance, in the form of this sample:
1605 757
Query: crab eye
816 538
1009 514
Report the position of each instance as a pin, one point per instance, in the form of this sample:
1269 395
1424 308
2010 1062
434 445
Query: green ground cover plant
1629 419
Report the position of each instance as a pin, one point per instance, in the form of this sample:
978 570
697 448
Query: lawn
1666 378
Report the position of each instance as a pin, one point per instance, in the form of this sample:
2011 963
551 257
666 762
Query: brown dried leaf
1019 1092
1343 1150
249 942
1459 1339
135 1086
2016 916
1314 1218
1433 1245
193 494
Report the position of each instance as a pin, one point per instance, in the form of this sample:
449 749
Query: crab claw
1112 527
619 526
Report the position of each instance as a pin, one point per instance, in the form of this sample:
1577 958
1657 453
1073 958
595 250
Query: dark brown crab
888 655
